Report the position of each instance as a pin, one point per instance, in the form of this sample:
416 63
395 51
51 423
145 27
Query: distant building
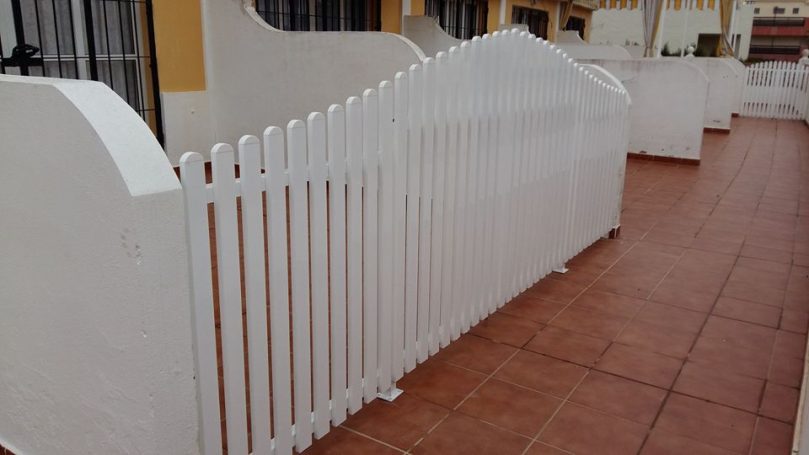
780 29
684 23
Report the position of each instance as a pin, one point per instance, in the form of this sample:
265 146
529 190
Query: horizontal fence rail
358 243
777 90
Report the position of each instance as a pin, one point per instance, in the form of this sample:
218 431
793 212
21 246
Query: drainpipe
733 29
502 11
406 8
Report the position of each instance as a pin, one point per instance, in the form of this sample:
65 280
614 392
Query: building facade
684 23
780 30
166 57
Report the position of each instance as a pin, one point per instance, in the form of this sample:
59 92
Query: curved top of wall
595 51
107 123
427 34
259 76
569 37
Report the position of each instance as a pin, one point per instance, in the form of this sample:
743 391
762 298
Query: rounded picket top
272 131
515 31
221 149
415 68
486 36
388 84
248 139
369 93
190 157
496 34
454 50
315 116
465 45
338 108
441 55
295 124
400 76
476 38
352 100
531 36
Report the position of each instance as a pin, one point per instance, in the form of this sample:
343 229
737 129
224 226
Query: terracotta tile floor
684 336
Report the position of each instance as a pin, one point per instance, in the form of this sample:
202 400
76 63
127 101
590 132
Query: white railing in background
777 90
393 224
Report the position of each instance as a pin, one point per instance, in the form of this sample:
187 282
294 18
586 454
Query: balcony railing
779 21
780 50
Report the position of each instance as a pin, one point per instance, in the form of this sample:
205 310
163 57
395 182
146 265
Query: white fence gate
376 234
777 90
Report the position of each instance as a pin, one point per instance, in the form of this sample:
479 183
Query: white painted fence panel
777 90
394 224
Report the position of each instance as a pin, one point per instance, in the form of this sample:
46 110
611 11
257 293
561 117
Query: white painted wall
95 332
625 26
595 51
668 105
258 76
425 32
723 90
741 80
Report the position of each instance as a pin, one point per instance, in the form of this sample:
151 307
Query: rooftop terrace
685 335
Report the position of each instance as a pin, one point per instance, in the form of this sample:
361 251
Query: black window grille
778 10
578 24
535 19
796 10
111 41
463 19
322 15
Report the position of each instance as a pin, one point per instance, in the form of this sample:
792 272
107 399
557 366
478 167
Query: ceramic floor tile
605 434
542 373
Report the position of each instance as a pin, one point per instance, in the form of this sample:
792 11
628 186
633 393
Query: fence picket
370 234
192 174
230 295
354 137
276 201
255 292
336 127
386 215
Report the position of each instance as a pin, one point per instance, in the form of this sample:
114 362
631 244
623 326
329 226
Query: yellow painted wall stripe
178 38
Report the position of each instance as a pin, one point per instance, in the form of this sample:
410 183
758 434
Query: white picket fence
378 233
777 90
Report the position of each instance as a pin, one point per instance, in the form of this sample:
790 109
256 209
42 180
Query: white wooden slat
425 307
461 283
192 175
386 239
230 296
412 229
337 263
400 88
439 307
450 271
354 205
255 292
299 255
276 201
318 172
370 236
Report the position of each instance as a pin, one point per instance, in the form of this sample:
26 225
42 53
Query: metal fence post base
391 394
561 269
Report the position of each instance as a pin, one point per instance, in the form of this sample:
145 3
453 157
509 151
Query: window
535 19
463 19
100 40
322 15
796 10
778 10
756 10
576 23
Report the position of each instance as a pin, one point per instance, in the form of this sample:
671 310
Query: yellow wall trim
178 38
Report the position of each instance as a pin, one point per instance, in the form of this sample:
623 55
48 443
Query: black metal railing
463 19
779 21
779 50
535 19
111 41
322 15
